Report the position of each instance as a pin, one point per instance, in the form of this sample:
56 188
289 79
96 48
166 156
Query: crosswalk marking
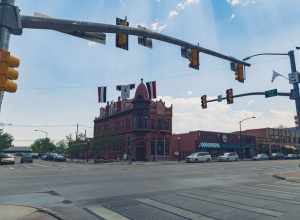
105 213
171 209
285 187
270 190
234 205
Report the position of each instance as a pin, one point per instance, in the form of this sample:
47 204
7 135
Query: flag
102 94
275 75
125 90
151 87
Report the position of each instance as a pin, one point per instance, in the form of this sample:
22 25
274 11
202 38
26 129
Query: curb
39 209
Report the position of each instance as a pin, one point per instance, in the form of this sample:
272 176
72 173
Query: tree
43 145
61 147
5 140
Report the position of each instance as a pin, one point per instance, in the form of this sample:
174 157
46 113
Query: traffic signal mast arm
251 94
70 26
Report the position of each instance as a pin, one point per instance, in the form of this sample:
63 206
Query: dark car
7 159
277 156
26 158
59 158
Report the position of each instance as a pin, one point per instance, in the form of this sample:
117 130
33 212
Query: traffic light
240 73
195 63
122 38
296 121
7 71
204 101
229 96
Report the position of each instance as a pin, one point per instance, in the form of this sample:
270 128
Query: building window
161 145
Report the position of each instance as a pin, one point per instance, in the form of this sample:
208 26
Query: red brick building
215 143
139 127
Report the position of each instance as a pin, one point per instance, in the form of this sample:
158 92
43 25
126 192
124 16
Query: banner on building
125 90
151 87
102 94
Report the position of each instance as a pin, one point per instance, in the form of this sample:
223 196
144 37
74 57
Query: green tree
5 140
61 147
43 145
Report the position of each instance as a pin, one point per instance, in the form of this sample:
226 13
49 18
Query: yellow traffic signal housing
7 71
122 38
204 101
229 96
240 73
195 62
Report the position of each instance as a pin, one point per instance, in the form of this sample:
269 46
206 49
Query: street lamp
44 132
178 148
240 122
295 91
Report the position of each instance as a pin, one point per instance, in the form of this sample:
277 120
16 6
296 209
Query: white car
7 159
198 157
231 156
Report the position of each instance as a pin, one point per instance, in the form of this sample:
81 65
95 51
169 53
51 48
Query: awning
209 145
236 146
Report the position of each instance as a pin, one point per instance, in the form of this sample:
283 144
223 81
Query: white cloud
157 26
181 6
241 2
232 17
188 116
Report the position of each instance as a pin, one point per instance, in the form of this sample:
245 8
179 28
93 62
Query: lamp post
296 94
44 132
240 122
178 148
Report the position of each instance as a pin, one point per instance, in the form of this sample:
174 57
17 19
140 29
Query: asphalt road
227 190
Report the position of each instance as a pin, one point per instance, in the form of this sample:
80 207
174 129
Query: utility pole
77 132
296 94
4 41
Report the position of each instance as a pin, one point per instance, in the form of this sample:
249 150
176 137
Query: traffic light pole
296 94
4 41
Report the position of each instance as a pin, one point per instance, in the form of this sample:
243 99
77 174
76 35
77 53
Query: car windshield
150 109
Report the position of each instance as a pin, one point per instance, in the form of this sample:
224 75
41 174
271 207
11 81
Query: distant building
272 140
215 143
139 128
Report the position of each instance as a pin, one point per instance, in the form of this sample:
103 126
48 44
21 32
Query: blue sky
59 74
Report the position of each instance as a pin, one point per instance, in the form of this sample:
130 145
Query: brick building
139 127
215 143
272 140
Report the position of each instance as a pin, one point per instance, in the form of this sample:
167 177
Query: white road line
272 190
40 165
280 186
171 209
234 205
105 213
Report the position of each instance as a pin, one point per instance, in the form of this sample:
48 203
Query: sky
59 74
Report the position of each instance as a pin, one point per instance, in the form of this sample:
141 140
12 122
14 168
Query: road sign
220 98
294 77
271 93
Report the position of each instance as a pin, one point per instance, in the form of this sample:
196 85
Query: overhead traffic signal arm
7 71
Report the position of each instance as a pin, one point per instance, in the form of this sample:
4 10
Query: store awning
209 145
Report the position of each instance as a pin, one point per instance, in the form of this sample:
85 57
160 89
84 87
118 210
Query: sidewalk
291 176
13 212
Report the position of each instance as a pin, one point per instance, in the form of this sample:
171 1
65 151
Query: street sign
220 98
294 77
271 93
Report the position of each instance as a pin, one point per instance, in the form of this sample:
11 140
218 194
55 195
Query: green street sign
271 93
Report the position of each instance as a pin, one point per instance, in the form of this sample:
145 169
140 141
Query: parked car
59 158
230 156
7 159
198 157
48 156
261 157
291 156
35 155
26 158
277 156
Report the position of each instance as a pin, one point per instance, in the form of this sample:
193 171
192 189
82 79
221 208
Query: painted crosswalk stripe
105 213
285 187
174 210
41 165
270 190
234 205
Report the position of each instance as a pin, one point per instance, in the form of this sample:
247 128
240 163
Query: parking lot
164 190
